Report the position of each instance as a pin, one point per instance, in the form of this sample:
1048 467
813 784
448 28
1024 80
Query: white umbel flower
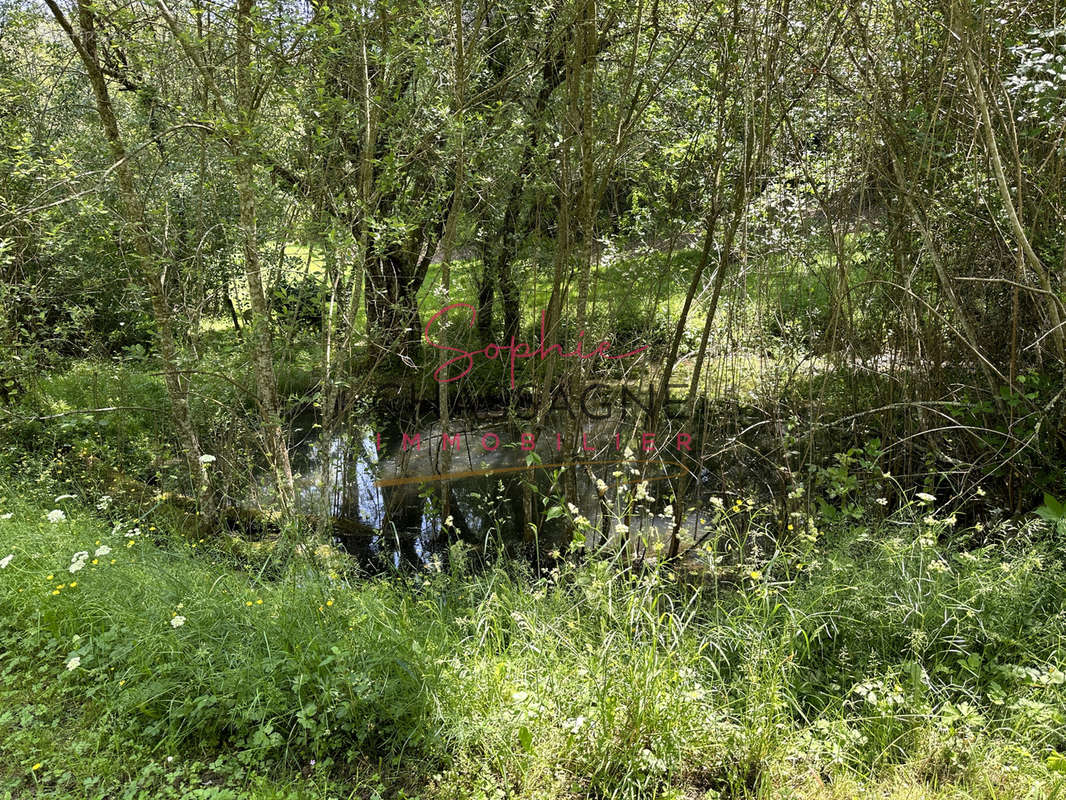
56 515
177 621
6 560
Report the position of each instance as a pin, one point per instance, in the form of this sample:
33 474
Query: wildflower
717 502
601 485
6 560
642 492
881 501
248 602
259 601
177 621
668 511
73 584
55 591
8 515
102 550
939 566
49 577
74 663
329 602
95 561
77 565
573 509
207 459
56 515
581 521
755 574
621 529
36 766
449 522
925 497
104 503
63 497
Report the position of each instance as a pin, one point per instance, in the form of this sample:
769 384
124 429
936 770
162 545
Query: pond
509 487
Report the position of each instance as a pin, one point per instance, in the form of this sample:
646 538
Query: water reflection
382 485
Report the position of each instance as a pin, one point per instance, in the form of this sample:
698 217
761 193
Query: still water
508 488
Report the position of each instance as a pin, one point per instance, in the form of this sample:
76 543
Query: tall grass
884 651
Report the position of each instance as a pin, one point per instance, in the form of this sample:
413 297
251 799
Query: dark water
385 493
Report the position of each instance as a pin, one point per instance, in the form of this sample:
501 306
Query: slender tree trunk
259 336
84 41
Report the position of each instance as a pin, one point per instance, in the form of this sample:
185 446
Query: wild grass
901 654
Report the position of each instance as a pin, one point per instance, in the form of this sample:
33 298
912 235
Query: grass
905 658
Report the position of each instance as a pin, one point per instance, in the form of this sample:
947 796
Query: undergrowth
909 656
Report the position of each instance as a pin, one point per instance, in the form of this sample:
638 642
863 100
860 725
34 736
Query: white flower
449 522
81 555
621 529
207 459
102 550
133 532
881 501
668 511
601 486
574 510
8 515
925 497
77 565
177 621
74 663
55 516
63 497
6 560
104 503
717 502
581 521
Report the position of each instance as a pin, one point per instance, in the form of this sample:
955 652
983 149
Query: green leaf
1052 510
525 738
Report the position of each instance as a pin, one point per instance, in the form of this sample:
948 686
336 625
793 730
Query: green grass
909 657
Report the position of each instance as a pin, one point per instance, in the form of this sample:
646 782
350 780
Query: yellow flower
122 683
755 574
62 586
248 602
329 602
55 591
790 527
95 561
112 561
49 577
259 601
73 584
129 543
36 766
